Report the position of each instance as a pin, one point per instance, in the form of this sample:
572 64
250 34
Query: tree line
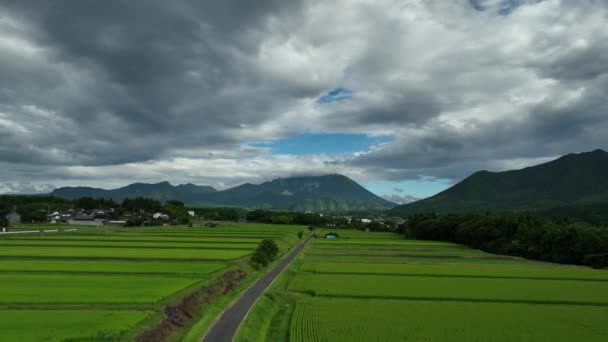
525 235
316 220
36 208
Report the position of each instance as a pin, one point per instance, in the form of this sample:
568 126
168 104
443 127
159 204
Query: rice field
388 320
67 325
383 287
106 284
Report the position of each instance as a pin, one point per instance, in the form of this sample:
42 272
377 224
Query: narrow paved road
36 231
224 328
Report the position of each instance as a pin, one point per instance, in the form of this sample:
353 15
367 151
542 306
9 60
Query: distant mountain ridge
162 191
328 193
573 179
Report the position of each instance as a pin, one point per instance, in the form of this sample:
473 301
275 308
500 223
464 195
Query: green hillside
160 191
574 179
329 193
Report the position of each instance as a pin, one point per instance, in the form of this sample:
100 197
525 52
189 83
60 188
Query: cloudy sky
406 97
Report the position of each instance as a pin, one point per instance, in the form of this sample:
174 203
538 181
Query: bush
265 253
133 223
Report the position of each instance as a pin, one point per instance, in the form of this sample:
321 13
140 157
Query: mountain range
329 193
571 180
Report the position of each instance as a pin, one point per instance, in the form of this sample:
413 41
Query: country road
224 328
36 231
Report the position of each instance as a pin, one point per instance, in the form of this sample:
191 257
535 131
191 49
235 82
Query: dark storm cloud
552 128
130 80
160 89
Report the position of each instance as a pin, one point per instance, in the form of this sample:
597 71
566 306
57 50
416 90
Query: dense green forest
576 182
524 235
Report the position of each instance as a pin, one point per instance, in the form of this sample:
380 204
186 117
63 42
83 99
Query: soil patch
180 315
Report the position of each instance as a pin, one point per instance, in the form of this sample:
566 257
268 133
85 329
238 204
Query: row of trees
310 219
221 213
32 208
287 217
524 235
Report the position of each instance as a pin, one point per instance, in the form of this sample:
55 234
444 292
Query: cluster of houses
100 217
97 217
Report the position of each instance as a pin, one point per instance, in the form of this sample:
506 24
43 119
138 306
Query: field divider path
17 232
224 328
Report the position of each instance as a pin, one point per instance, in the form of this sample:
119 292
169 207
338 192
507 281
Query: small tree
265 253
300 234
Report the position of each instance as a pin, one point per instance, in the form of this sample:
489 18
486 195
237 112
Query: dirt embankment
180 315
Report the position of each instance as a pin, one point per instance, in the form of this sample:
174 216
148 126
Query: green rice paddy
67 325
108 284
382 287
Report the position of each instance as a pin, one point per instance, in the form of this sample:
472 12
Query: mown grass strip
119 253
89 289
248 247
102 240
356 320
515 271
64 325
429 287
432 275
468 300
426 256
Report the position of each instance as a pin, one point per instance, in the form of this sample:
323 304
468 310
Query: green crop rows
382 287
321 319
97 284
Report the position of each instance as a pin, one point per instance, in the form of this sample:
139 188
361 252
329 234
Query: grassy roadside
208 313
270 317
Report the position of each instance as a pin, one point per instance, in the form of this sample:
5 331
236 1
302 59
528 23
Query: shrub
265 253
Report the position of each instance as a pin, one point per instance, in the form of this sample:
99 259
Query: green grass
120 253
269 319
550 272
128 244
59 325
401 251
383 320
420 260
382 286
83 289
363 287
85 285
112 237
127 267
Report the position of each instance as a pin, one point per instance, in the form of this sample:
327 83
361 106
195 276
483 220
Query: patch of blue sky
502 7
420 188
335 95
323 143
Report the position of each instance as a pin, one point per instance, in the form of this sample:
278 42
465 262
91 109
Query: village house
84 219
13 217
160 216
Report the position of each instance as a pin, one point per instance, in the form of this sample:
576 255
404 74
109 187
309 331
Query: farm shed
87 220
13 218
331 236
